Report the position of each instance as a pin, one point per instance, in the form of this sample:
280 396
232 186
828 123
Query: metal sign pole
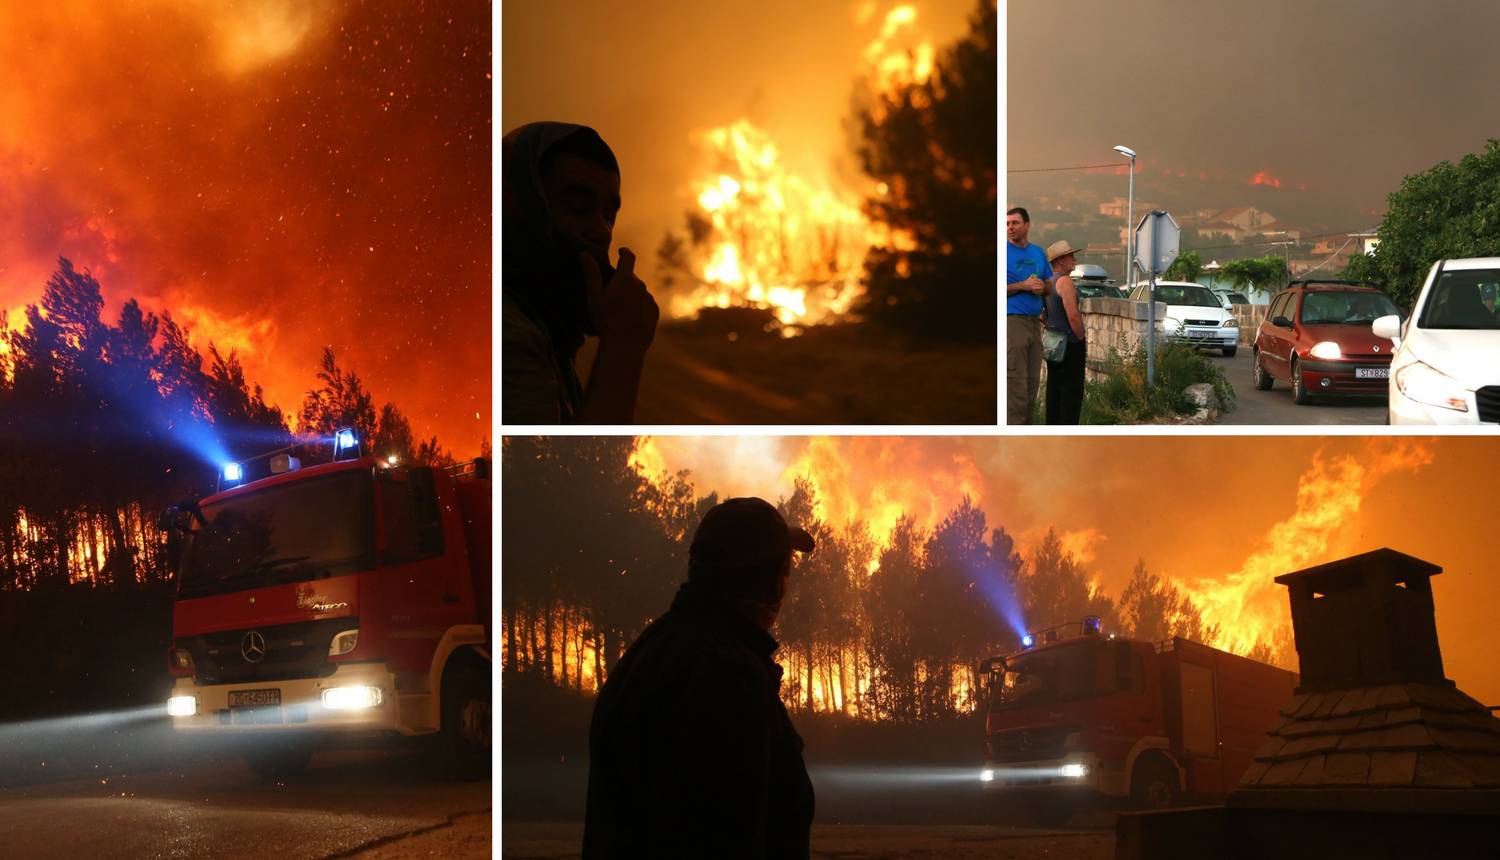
1151 328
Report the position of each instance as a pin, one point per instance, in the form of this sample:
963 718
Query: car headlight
1425 384
987 775
182 706
343 643
1073 771
1326 349
351 698
1231 323
1170 325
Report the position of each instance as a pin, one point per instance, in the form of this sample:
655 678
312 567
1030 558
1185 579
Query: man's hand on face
624 312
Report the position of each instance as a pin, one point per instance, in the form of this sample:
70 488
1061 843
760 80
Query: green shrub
1123 397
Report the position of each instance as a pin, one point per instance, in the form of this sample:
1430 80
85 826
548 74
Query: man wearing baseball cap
691 752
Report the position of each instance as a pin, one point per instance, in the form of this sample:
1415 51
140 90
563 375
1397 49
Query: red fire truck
346 598
1080 720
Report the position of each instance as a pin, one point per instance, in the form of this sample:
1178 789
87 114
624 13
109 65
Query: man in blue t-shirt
1028 278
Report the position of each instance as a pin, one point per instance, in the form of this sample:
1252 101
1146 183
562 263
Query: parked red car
1316 335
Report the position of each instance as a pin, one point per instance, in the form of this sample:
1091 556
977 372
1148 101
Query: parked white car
1447 364
1194 315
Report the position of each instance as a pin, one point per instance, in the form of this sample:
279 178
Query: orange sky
280 175
1220 515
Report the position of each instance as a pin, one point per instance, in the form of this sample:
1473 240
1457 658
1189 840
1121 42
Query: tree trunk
548 670
509 669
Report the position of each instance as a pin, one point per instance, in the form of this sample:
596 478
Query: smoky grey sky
1338 100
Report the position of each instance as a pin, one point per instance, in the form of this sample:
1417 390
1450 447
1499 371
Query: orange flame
777 240
1248 604
1263 177
792 244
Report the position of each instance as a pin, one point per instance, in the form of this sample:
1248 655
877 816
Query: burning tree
929 144
761 237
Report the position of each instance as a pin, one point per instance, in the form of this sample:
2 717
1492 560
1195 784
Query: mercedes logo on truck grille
253 647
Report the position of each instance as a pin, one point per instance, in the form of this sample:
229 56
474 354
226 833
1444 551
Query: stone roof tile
1392 767
1348 702
1313 774
1346 768
1439 769
1291 705
1391 695
1283 772
1312 744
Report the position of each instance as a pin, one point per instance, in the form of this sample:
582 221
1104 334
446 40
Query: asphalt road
1276 406
348 801
561 840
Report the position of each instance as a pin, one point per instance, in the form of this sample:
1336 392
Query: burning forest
818 190
927 561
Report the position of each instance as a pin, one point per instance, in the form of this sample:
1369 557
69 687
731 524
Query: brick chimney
1365 621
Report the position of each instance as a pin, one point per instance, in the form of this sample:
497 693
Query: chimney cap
1407 566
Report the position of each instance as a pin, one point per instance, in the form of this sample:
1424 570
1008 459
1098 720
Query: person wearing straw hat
1064 323
691 752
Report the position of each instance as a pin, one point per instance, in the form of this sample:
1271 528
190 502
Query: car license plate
255 698
1372 373
1205 335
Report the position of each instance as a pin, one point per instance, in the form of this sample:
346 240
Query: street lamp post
1129 217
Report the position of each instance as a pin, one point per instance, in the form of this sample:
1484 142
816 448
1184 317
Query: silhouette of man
691 751
561 196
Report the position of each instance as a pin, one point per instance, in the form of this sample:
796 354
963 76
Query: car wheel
1299 387
1263 380
1229 351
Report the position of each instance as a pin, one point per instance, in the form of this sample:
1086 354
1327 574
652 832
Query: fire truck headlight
351 698
233 472
343 643
1028 640
1073 771
182 706
987 775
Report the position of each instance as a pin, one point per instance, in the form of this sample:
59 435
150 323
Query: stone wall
1117 325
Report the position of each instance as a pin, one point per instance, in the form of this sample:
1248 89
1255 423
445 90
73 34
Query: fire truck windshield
289 532
1070 671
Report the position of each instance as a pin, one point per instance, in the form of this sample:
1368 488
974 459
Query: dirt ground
848 374
560 841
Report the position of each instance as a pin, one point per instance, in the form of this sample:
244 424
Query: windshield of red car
1463 300
1345 307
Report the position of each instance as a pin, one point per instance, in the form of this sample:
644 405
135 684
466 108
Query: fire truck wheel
281 761
466 721
1153 785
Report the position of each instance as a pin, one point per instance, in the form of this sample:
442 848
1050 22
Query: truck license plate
255 698
1372 373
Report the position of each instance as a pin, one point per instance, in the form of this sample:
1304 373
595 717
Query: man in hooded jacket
561 196
691 752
